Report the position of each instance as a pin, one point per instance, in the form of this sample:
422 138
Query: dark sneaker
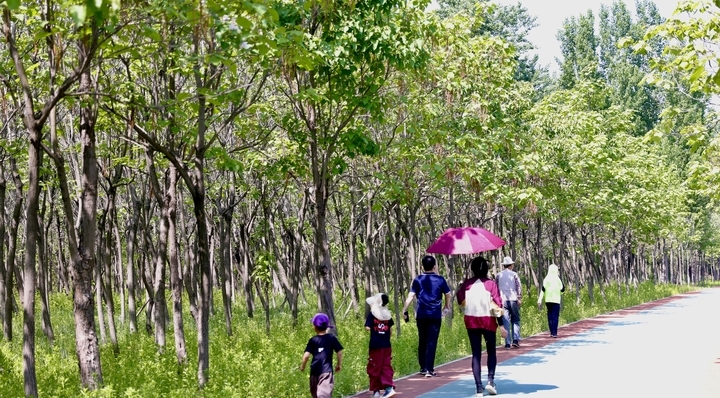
491 388
516 344
389 392
507 346
430 373
479 393
423 372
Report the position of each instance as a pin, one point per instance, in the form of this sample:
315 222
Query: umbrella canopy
465 240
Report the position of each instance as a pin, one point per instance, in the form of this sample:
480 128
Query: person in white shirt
510 288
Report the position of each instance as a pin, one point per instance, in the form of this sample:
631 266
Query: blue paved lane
669 351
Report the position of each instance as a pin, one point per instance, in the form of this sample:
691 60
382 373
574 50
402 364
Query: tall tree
578 45
334 77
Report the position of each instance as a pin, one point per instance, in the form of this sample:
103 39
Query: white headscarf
377 309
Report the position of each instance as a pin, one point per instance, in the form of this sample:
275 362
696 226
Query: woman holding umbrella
480 298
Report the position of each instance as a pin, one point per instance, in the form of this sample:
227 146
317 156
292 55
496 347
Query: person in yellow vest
552 289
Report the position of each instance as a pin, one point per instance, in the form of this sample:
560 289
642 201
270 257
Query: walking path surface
666 348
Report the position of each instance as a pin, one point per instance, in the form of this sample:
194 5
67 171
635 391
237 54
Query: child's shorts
321 386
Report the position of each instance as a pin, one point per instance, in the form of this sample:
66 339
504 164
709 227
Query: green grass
251 363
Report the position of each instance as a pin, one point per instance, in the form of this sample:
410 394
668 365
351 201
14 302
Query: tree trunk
322 249
225 238
189 271
118 267
175 276
246 269
158 282
29 274
3 264
64 283
12 267
107 285
7 299
43 277
130 281
86 344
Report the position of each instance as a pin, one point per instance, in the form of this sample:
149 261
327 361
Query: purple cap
321 321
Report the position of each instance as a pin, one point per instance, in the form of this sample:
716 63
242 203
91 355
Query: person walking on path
476 295
321 347
510 287
429 288
379 367
552 289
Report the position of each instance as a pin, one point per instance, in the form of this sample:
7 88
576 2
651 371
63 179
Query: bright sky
551 14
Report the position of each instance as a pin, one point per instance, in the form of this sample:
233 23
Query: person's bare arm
338 367
408 300
305 358
448 300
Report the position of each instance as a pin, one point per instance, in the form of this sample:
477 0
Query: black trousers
428 332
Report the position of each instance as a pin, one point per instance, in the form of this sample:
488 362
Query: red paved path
414 385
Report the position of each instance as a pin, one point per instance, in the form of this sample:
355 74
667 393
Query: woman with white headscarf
552 290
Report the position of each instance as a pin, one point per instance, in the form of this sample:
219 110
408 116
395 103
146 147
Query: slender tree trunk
43 277
12 245
29 275
6 290
189 271
158 278
87 348
99 295
64 284
175 275
297 257
246 271
352 250
107 285
370 256
118 266
225 237
321 182
130 279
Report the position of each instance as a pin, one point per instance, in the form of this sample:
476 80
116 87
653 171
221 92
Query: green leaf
78 14
697 73
152 34
244 23
13 4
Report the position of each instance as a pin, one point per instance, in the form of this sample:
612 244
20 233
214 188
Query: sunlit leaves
598 173
693 32
13 4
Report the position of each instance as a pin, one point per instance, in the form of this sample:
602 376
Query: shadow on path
466 388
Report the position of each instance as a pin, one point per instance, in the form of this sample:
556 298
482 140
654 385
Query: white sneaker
376 394
490 387
479 394
389 392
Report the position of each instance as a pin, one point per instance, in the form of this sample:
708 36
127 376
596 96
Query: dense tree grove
158 153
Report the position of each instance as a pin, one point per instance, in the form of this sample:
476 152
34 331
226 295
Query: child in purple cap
321 347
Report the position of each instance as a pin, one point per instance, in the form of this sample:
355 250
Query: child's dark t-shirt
379 331
321 347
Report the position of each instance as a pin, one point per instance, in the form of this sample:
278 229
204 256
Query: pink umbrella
465 240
